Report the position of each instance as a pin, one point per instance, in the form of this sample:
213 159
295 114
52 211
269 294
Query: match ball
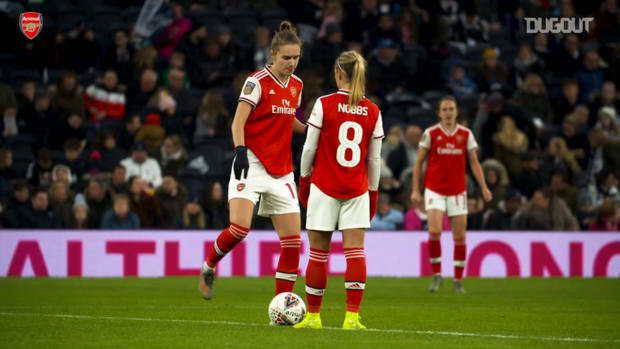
286 309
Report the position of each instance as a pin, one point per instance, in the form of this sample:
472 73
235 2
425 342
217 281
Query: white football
286 309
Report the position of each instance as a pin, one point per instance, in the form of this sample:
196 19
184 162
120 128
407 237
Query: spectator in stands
505 216
476 210
215 206
402 158
386 69
146 89
119 183
177 82
563 189
38 214
177 62
7 172
105 101
85 51
70 126
141 165
567 59
492 174
525 62
79 215
493 74
385 30
120 56
606 19
172 197
530 177
144 204
119 217
546 212
558 156
605 140
509 144
470 29
230 50
61 200
128 136
20 195
608 97
151 133
361 17
67 94
111 154
607 218
98 199
387 218
173 155
591 75
165 105
8 111
541 49
567 103
27 116
258 54
460 83
39 172
171 35
326 50
532 97
213 70
213 119
62 173
73 158
576 142
192 46
192 216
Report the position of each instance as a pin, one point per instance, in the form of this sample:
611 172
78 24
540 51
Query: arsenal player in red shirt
339 185
447 146
262 130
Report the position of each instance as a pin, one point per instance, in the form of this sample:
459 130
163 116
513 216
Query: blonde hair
287 34
354 67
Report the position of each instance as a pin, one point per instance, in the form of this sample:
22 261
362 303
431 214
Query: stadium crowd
102 128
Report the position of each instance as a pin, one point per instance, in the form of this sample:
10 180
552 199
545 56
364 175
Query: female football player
338 186
262 130
447 146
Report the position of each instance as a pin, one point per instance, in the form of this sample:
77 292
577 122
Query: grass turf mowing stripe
380 330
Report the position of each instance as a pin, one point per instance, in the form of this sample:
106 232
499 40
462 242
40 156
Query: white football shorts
454 205
325 213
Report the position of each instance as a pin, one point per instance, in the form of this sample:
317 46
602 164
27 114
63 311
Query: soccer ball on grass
286 309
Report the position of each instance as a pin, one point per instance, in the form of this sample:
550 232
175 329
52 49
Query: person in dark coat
119 217
38 214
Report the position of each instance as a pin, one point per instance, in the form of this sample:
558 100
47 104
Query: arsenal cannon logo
31 23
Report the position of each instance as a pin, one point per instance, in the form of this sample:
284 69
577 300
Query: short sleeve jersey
447 158
340 165
269 128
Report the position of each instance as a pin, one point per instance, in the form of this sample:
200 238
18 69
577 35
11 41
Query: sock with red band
225 242
434 252
460 253
355 277
316 279
288 264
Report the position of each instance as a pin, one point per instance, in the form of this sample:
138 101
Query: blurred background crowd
113 120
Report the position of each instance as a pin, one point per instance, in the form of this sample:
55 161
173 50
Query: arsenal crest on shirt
31 23
459 138
294 92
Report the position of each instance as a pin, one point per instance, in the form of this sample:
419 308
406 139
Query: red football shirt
447 158
269 128
340 165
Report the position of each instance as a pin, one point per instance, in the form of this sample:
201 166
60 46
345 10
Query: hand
241 162
374 196
416 198
304 190
487 195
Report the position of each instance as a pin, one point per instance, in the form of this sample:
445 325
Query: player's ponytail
287 34
354 67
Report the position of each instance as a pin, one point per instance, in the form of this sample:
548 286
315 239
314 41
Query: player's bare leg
459 226
435 227
287 226
355 276
241 211
316 277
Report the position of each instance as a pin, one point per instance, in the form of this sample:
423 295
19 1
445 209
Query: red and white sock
460 253
288 264
355 277
316 279
434 252
226 241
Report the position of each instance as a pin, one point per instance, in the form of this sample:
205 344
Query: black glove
241 162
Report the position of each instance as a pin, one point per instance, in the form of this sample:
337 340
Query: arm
417 171
298 126
309 151
479 175
241 116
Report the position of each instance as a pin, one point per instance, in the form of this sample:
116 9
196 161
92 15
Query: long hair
200 219
354 67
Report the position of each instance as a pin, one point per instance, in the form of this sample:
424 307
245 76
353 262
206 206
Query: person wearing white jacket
141 165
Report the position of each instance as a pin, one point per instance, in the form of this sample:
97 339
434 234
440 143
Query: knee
459 238
433 235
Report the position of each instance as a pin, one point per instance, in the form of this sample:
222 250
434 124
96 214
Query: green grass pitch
168 312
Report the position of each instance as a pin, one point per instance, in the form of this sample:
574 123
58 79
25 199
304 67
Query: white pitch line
379 330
